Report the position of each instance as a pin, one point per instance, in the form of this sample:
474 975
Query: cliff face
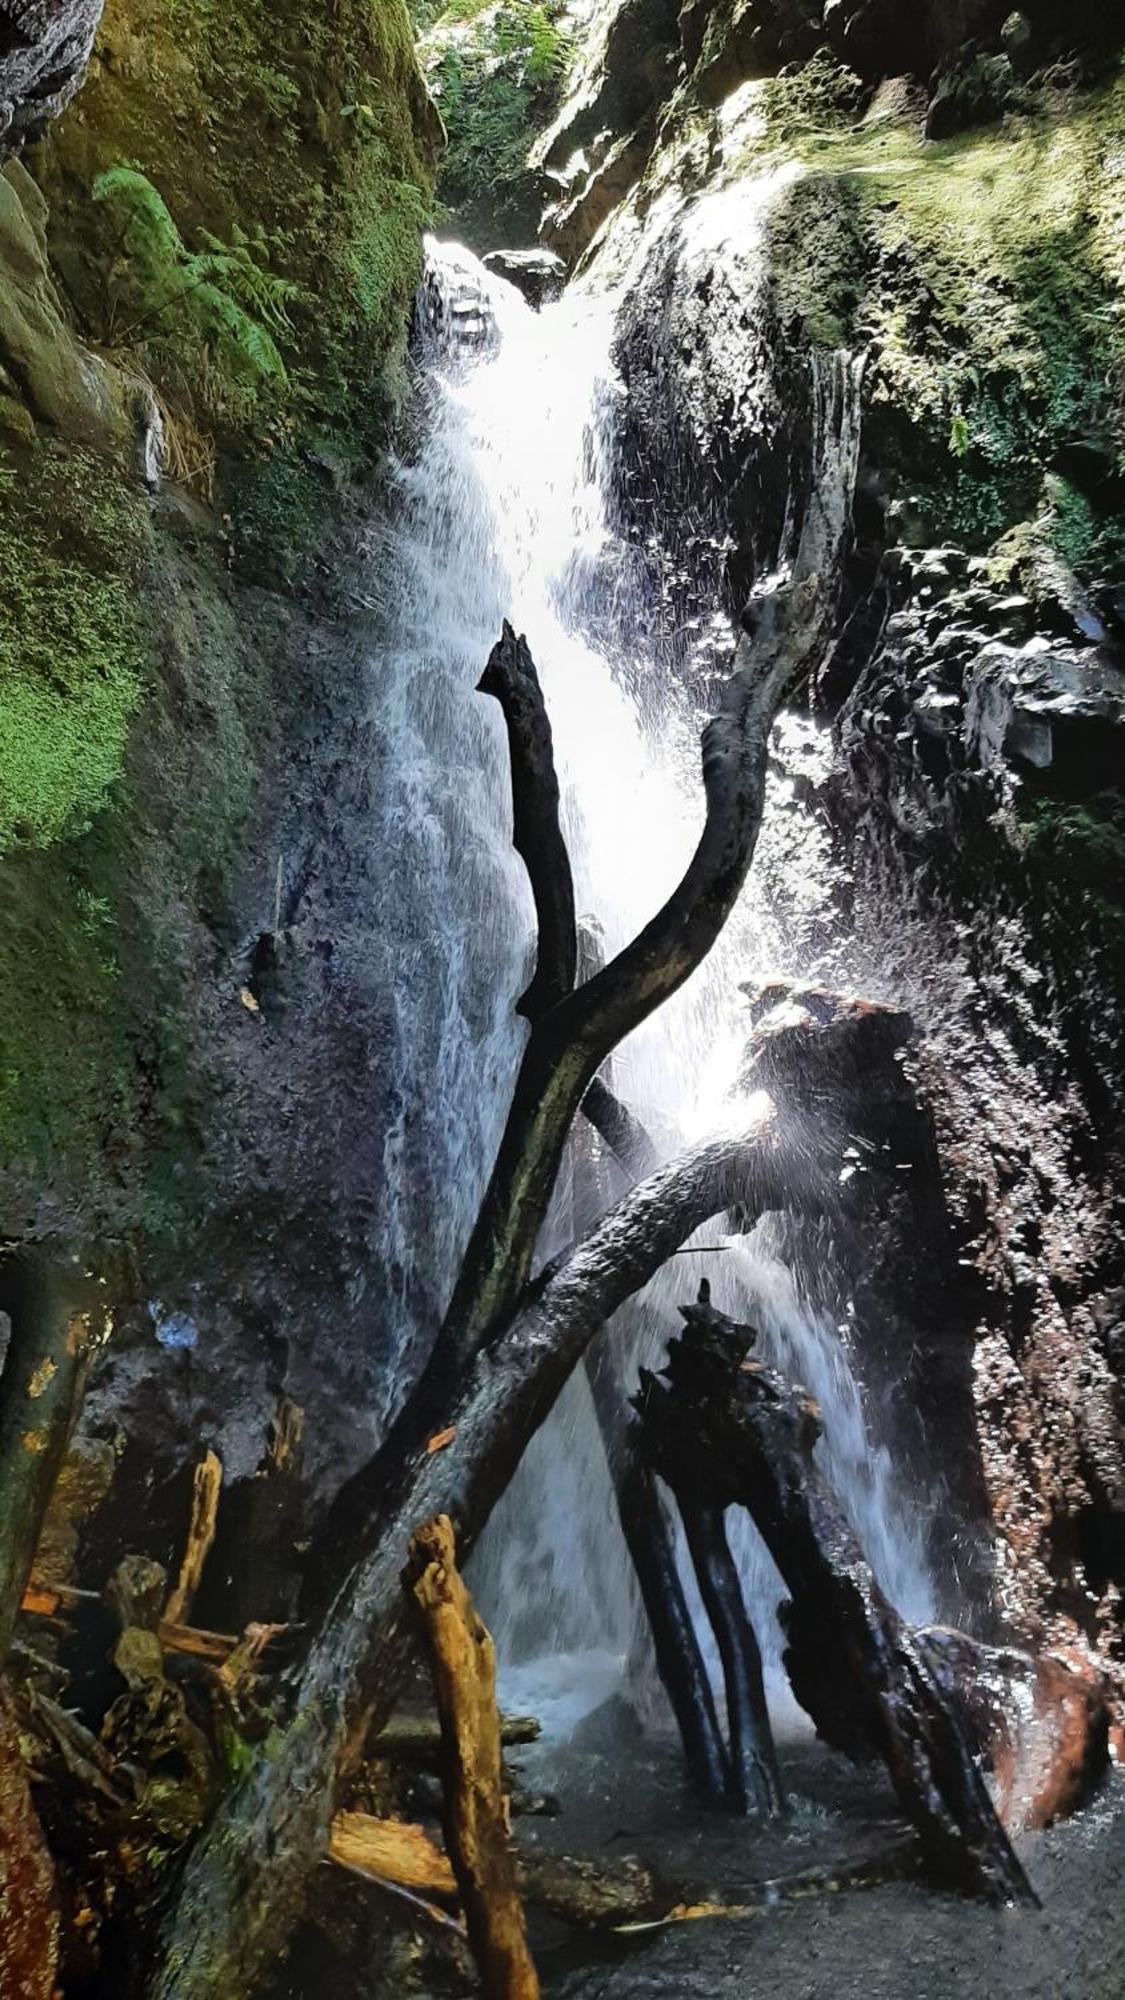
206 268
765 202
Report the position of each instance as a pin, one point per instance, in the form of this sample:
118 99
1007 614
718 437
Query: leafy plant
495 72
221 300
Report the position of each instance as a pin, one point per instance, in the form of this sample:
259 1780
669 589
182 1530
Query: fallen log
592 1895
276 1823
463 1662
723 1431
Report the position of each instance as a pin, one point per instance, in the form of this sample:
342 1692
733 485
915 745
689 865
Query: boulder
1050 708
61 382
44 48
538 274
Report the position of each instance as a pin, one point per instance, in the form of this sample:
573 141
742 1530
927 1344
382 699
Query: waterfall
501 513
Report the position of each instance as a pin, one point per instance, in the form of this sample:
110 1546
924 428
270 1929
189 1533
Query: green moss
70 644
815 249
236 201
986 277
820 95
266 174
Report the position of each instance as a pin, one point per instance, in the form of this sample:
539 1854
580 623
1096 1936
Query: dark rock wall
44 48
975 698
206 266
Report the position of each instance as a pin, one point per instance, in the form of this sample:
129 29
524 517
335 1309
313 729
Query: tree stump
724 1431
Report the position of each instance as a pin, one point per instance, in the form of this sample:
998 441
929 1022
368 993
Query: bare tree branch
572 1039
536 833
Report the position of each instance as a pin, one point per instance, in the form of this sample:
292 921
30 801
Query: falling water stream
500 513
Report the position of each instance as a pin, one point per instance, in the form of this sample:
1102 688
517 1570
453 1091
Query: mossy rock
304 144
985 276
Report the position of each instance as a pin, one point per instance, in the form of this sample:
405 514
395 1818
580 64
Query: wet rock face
959 746
710 446
44 48
538 274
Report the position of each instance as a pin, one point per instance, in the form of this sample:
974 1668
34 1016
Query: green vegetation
986 276
234 208
261 179
70 644
209 317
495 72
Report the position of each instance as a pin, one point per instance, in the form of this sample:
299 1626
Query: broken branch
463 1662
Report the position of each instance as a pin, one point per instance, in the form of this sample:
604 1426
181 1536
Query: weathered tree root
276 1824
722 1431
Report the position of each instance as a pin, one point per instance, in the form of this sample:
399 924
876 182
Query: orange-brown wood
207 1485
391 1850
463 1663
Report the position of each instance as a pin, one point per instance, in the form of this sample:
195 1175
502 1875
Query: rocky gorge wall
207 264
786 188
210 256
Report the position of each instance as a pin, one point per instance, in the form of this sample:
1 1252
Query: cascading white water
502 515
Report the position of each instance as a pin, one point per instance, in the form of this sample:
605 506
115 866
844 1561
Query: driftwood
60 1600
536 832
206 1487
592 1895
572 1038
723 1431
506 1347
463 1663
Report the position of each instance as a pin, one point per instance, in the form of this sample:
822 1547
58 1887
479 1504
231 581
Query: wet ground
621 1794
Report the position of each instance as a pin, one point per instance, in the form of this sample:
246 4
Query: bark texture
723 1431
463 1663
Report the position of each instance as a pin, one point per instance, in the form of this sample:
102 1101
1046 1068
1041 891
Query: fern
220 299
